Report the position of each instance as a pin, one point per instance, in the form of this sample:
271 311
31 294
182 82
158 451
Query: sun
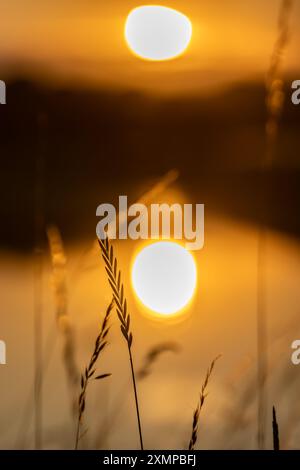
164 277
157 33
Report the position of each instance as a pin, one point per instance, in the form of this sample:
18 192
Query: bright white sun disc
157 33
164 277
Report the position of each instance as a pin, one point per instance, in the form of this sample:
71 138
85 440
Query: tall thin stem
38 402
38 282
262 338
77 435
136 399
275 99
276 444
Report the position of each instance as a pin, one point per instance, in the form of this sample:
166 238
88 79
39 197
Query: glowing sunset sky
84 40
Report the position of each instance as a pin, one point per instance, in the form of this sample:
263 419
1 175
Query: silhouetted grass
276 445
89 373
200 404
114 279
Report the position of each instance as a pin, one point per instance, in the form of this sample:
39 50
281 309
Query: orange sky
84 40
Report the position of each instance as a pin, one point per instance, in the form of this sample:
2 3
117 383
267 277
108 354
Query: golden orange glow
157 33
164 277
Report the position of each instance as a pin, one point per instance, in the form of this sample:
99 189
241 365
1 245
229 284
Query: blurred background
85 122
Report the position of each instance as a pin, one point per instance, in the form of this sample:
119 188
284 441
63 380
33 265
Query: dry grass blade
203 395
89 373
114 279
274 82
276 445
59 270
153 355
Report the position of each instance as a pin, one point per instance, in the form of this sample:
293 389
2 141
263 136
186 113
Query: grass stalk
276 444
275 100
89 372
38 372
114 279
64 324
143 372
196 415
